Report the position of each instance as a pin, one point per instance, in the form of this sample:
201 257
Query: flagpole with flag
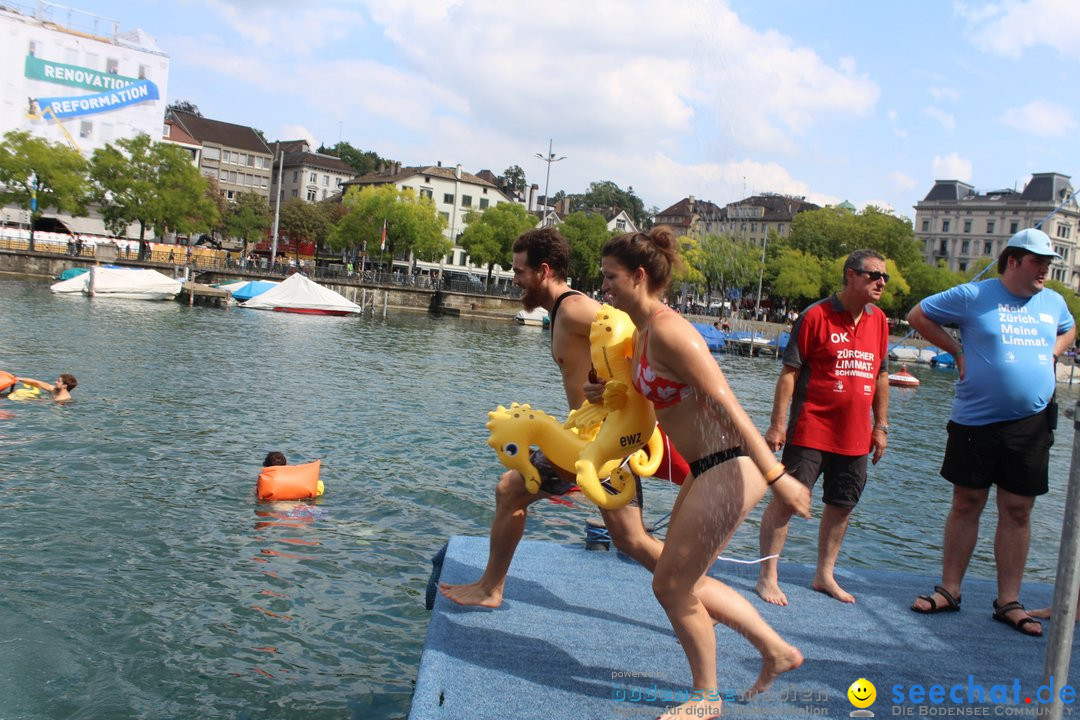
382 244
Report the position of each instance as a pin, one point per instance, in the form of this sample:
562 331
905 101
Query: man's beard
532 298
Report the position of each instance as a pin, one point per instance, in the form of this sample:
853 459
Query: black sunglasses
874 275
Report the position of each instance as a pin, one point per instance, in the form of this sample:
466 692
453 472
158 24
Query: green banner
75 76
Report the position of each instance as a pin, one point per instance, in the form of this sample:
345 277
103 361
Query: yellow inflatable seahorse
595 438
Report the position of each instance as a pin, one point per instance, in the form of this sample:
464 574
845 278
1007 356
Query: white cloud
1041 118
638 82
951 167
1011 26
283 24
299 132
941 92
901 181
897 130
947 120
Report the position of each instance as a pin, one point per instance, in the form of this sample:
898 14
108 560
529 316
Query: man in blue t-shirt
1013 330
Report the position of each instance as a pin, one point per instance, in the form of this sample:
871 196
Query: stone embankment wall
48 265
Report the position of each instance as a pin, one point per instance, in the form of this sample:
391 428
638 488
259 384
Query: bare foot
1044 613
770 592
472 594
774 666
704 704
829 586
794 494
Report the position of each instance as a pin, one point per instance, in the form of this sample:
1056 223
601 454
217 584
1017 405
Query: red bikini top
660 391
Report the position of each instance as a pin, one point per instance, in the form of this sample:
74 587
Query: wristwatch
882 428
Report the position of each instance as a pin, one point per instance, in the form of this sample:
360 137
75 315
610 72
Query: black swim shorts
845 475
1013 454
556 482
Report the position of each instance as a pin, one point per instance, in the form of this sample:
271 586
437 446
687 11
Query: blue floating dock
576 626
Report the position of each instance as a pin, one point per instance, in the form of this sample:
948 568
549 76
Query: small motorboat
537 316
903 378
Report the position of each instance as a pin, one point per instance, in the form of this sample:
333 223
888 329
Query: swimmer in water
60 390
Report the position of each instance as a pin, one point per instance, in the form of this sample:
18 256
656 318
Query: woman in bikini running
732 465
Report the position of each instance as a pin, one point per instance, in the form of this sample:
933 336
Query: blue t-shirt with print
1008 348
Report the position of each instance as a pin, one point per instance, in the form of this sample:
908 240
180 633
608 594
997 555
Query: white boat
537 317
298 294
119 282
912 354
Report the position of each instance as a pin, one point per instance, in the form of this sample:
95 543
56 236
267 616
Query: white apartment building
454 192
72 77
307 175
968 229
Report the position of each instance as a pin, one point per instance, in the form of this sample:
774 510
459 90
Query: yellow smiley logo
862 693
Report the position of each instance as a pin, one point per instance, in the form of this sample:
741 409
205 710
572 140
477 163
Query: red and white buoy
903 378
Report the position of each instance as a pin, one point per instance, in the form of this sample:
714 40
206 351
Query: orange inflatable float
290 482
6 380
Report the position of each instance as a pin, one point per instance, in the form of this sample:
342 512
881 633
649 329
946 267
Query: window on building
229 194
324 194
483 203
620 225
32 49
251 161
944 226
232 176
466 201
445 216
265 182
210 172
226 156
112 66
313 178
965 247
943 247
311 195
1063 231
988 248
142 72
962 266
967 226
989 226
86 129
295 193
240 158
296 176
326 180
211 153
425 192
448 198
780 229
926 226
1014 227
92 60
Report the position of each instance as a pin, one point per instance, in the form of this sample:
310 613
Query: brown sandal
1001 614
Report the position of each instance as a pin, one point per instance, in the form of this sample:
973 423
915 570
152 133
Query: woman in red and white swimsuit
731 469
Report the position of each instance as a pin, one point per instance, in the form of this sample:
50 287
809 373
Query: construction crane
35 113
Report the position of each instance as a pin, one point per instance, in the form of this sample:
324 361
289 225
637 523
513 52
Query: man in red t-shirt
834 375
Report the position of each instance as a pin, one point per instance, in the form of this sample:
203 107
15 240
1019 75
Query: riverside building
74 78
967 229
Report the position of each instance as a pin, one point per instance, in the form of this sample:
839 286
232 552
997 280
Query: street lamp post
761 275
550 158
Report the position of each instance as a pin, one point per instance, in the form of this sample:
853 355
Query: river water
139 578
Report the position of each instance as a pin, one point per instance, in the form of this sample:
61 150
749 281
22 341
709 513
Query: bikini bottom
698 467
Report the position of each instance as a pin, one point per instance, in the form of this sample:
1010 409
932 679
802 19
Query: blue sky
864 101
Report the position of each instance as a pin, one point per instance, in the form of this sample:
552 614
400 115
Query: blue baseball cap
1034 241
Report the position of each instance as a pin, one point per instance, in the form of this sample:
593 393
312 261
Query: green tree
36 174
489 235
515 177
925 280
248 217
796 277
605 194
687 274
412 223
728 264
304 221
362 161
150 183
586 233
183 106
833 232
1071 298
